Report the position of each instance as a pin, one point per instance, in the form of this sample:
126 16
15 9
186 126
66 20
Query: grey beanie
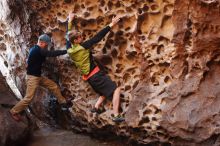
45 38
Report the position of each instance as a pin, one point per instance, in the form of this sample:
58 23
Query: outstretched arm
54 53
70 21
101 34
95 39
69 28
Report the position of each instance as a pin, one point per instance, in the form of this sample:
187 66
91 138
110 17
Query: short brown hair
72 35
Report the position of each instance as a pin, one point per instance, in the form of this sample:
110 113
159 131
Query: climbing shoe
95 110
17 117
64 107
118 118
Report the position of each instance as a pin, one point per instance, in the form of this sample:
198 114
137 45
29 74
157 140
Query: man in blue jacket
36 58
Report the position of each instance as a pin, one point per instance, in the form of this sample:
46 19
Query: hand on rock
71 16
114 21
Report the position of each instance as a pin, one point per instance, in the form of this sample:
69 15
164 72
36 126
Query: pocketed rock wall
163 53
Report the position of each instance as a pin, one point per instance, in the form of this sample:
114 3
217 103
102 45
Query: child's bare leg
116 101
99 102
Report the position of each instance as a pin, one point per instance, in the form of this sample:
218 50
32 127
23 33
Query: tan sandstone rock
163 53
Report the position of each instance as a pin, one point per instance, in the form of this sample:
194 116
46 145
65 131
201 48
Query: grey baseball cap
45 38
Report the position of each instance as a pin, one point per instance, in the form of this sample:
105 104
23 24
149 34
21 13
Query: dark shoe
64 107
95 110
69 102
118 118
16 117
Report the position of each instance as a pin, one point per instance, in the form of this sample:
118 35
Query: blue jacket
36 58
